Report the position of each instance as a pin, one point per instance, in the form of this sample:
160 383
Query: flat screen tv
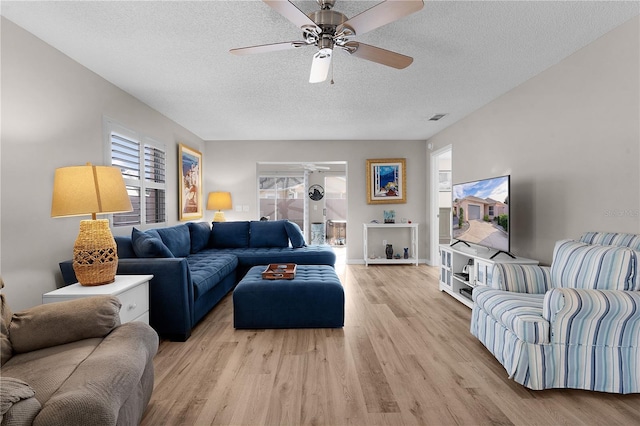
480 212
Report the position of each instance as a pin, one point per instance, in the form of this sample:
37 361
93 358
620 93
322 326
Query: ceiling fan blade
320 66
292 13
274 47
381 14
376 54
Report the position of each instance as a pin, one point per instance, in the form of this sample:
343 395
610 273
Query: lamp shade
89 190
219 201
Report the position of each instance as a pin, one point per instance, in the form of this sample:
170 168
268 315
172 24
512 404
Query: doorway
441 181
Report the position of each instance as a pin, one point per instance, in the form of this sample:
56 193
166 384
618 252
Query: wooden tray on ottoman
279 271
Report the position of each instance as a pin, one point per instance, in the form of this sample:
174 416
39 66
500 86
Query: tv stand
460 241
501 251
458 281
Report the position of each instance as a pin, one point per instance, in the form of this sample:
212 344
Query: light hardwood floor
404 357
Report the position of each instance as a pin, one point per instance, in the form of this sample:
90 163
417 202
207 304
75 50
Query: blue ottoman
313 299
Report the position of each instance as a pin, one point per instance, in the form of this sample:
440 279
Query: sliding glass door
282 197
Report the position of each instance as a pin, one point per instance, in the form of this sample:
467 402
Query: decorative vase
406 252
95 255
389 251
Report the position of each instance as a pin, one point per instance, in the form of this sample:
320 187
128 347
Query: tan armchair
73 363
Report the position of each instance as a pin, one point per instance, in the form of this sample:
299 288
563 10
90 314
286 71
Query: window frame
141 183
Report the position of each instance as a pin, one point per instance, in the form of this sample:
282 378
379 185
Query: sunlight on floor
341 258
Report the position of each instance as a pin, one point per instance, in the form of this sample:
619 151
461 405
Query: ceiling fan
328 29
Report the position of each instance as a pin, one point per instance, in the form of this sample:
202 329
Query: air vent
436 117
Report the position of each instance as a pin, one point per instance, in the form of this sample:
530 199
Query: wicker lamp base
95 255
219 217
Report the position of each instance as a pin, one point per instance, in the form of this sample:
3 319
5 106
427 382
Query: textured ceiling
174 56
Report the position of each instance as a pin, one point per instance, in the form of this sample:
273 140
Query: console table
398 228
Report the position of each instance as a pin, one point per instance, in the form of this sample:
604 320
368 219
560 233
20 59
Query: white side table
131 290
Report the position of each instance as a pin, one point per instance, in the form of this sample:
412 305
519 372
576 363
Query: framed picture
386 181
389 216
190 168
444 180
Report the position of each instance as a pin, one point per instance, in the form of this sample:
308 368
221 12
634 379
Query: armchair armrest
591 317
58 323
532 279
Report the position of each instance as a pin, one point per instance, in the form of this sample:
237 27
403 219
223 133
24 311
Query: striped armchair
575 324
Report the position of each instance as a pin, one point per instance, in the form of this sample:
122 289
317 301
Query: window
282 197
142 162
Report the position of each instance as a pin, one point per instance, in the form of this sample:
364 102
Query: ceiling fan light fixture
325 53
327 28
320 65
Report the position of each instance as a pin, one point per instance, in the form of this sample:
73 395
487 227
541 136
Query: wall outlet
384 242
238 208
245 207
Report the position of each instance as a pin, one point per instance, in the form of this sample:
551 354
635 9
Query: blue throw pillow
295 234
268 234
148 244
177 239
230 235
200 233
125 247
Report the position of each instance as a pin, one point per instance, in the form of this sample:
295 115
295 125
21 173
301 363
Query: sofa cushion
208 269
268 234
35 367
533 279
521 313
200 232
149 244
310 255
612 239
295 234
108 387
580 265
177 239
230 235
55 324
125 247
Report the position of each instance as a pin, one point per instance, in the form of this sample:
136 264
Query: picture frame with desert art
190 175
386 181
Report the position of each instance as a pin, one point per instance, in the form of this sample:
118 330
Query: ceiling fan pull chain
331 72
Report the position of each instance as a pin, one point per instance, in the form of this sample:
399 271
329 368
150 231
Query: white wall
570 139
232 166
52 112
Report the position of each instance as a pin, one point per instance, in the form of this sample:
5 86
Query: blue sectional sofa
575 324
194 265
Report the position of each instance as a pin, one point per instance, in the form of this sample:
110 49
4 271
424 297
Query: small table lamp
219 201
91 190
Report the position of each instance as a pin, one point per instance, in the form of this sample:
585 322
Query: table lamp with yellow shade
219 201
91 190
